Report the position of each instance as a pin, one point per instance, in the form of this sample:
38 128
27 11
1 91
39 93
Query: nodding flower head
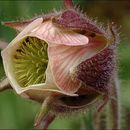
64 54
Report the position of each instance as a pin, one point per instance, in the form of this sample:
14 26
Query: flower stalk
113 116
45 109
46 121
109 118
100 120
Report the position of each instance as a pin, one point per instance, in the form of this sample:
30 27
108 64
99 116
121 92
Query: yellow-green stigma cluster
30 62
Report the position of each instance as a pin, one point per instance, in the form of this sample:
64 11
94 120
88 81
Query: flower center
30 62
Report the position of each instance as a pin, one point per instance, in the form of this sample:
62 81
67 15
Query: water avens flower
63 60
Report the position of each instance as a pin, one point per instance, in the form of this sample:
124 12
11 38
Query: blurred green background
17 113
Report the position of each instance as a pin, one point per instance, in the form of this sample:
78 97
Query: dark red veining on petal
73 19
96 71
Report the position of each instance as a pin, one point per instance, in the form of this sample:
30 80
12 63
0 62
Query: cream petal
39 94
8 53
44 90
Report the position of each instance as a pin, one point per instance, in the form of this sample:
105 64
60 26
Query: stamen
30 62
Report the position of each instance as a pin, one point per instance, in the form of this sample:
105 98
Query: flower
65 55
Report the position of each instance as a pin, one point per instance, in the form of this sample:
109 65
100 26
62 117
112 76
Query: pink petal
48 32
63 60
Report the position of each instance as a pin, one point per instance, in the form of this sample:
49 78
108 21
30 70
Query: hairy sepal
74 20
97 71
68 4
20 25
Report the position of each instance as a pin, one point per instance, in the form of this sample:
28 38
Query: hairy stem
46 121
109 118
99 120
44 111
113 115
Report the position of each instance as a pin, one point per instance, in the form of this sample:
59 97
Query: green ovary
30 62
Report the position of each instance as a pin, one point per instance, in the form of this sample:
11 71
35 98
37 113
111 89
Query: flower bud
65 55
